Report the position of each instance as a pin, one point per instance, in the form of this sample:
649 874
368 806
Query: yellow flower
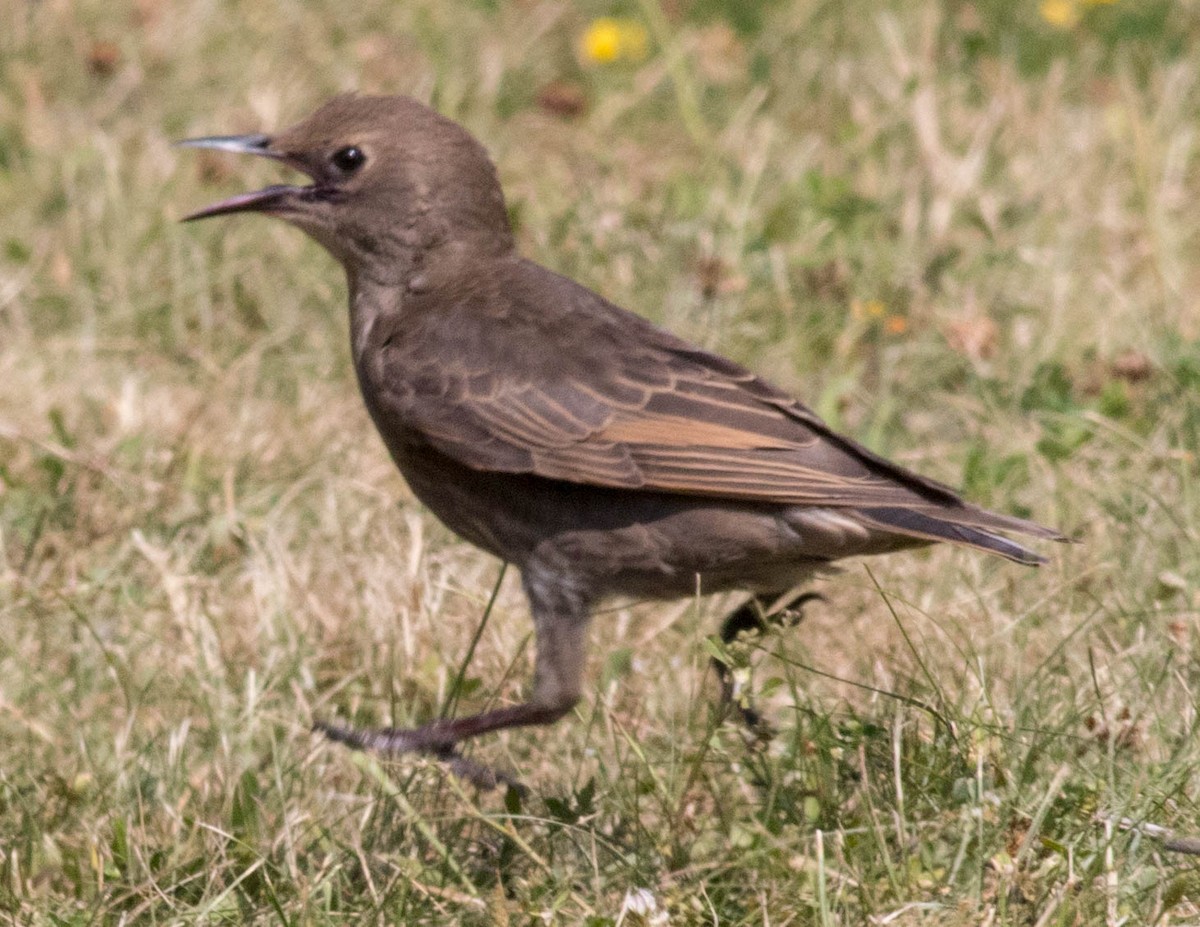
608 39
865 311
1060 13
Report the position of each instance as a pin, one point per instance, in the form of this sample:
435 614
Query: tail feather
976 517
963 525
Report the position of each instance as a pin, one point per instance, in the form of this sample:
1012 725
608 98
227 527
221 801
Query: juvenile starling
596 452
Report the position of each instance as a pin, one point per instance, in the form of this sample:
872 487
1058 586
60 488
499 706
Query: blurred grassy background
964 231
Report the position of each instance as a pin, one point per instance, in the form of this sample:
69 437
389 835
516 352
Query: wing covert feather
700 434
555 381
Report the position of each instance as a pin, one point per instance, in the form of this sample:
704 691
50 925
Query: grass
966 235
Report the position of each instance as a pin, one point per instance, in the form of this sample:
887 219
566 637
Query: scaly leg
561 624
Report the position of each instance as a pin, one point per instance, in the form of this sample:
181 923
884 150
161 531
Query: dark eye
348 159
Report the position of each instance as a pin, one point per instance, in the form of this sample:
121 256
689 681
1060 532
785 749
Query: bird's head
391 181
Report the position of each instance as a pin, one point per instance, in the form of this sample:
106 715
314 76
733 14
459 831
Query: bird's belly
612 541
467 502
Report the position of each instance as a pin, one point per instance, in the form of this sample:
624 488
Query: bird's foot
753 618
431 739
791 614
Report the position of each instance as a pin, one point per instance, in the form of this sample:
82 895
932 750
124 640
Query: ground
965 232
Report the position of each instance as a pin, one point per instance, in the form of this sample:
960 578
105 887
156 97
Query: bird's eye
348 159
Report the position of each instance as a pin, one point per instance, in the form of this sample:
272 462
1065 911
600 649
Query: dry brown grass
987 272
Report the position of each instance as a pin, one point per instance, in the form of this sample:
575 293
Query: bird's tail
965 524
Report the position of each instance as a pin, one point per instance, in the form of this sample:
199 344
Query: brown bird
598 453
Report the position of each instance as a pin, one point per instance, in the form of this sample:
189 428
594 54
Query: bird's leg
755 615
561 639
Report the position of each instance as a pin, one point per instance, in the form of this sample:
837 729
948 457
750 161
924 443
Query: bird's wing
610 400
697 433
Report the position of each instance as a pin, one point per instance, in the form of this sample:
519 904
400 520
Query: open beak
265 200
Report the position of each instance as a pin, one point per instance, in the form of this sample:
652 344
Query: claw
792 613
388 739
428 740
